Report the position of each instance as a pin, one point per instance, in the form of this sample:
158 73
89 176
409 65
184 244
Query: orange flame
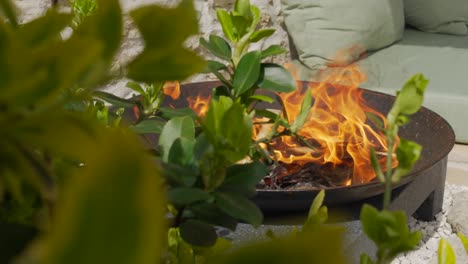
336 126
199 104
172 89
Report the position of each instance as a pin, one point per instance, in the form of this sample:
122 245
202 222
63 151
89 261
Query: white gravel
435 230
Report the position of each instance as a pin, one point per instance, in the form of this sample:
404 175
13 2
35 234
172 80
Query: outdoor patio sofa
441 54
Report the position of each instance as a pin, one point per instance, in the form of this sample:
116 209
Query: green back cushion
438 16
338 32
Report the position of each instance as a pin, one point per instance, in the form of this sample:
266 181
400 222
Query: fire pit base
421 198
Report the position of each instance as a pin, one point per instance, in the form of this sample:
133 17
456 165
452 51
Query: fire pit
423 187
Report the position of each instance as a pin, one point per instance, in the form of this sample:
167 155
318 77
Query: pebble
455 199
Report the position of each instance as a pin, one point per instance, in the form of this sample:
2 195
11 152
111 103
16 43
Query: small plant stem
388 174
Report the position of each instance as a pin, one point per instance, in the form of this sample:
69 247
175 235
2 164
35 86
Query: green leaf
242 178
113 99
198 233
236 132
321 246
179 175
301 118
155 65
376 166
174 129
261 34
156 21
210 213
408 152
318 214
106 26
118 183
218 47
272 50
221 47
181 151
136 87
239 207
389 231
376 120
169 113
276 78
446 255
212 122
221 91
226 23
213 172
7 9
464 241
215 66
149 126
241 25
266 113
246 73
184 196
44 28
365 259
242 7
410 97
262 98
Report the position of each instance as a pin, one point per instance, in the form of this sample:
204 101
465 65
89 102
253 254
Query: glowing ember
336 126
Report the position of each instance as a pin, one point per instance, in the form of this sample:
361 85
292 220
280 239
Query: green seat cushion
438 16
443 59
338 32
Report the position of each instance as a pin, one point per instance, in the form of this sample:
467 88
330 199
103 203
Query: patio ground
457 171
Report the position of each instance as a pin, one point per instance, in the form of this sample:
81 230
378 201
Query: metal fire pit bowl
425 182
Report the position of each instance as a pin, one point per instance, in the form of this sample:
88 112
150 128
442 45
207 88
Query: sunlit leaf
226 23
236 131
318 214
410 97
446 255
262 98
247 72
174 129
301 118
242 7
464 241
